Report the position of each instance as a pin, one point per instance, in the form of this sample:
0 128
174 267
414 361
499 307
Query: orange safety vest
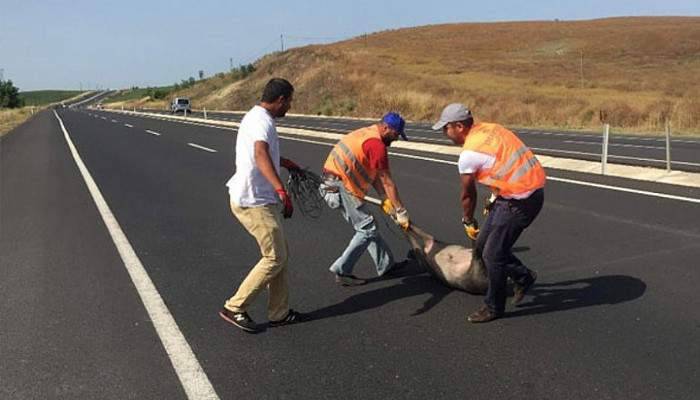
516 169
348 161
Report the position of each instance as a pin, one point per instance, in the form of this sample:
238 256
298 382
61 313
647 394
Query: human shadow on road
413 283
567 295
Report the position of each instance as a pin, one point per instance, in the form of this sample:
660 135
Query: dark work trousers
504 224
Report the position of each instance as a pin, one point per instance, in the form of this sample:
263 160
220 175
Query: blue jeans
366 236
504 224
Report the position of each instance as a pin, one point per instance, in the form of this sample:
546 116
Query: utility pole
230 64
282 41
2 73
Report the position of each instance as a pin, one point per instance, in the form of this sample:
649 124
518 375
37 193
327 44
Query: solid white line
194 381
614 156
153 132
128 126
637 146
620 189
550 178
202 147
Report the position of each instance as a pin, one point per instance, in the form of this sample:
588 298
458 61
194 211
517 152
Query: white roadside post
606 138
668 146
205 113
122 107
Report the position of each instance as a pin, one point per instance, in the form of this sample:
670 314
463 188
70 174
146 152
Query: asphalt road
613 316
623 148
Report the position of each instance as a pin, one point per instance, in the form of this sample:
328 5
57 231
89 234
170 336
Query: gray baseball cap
452 113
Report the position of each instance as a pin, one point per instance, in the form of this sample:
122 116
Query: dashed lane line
195 145
153 132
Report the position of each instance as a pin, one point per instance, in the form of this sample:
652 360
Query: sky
60 44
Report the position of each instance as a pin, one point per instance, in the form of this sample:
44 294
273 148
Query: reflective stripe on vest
348 161
516 169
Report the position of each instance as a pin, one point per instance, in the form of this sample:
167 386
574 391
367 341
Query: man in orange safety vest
494 156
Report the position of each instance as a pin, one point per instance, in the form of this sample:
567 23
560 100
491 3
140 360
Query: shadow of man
414 285
567 295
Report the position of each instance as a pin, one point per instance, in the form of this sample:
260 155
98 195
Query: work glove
289 164
489 204
388 207
402 219
287 207
471 228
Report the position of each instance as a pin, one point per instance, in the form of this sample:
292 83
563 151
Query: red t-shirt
375 150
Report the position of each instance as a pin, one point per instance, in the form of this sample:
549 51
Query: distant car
180 105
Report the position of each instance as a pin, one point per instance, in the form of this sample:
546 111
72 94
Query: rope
302 186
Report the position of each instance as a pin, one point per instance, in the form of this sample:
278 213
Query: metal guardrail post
606 139
668 146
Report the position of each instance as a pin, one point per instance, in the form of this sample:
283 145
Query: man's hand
402 218
388 207
471 228
288 208
289 164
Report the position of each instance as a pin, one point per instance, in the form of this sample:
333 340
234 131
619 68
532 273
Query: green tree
9 95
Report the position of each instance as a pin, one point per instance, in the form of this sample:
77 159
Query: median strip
624 171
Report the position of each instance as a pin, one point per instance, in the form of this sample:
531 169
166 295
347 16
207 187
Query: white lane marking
128 125
551 178
192 377
656 160
104 118
201 147
153 132
598 144
114 120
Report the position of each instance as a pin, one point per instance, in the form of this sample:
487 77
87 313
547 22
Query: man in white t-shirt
254 191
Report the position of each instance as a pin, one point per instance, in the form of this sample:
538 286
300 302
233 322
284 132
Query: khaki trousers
265 225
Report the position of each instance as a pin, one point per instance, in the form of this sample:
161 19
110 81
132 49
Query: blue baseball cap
396 123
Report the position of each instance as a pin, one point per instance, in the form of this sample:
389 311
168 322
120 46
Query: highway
649 150
613 315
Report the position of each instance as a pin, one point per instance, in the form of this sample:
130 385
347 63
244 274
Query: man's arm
468 196
389 187
264 163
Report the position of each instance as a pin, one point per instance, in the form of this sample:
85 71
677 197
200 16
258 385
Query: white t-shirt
248 187
472 161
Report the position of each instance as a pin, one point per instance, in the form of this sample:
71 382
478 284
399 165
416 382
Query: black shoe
240 320
519 291
349 280
293 317
483 315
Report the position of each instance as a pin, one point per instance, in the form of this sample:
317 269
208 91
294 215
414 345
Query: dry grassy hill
636 71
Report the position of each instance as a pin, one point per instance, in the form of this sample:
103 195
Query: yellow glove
388 207
402 219
471 228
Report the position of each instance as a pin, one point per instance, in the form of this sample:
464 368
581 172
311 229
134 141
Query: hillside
634 71
44 97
